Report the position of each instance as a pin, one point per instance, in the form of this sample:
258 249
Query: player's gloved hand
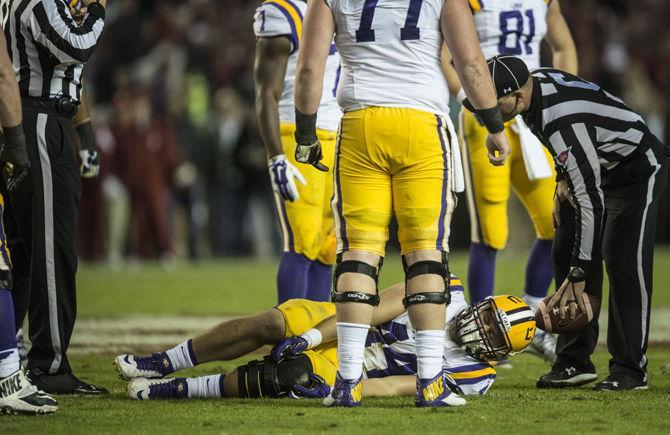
453 386
308 148
88 151
283 175
289 346
316 389
15 156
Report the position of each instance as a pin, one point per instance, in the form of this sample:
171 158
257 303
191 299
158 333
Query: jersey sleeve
276 19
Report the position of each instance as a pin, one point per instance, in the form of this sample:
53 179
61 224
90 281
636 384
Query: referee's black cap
509 73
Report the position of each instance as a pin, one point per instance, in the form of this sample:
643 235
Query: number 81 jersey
513 27
390 54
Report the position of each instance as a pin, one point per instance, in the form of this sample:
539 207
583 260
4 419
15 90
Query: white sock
532 301
205 386
429 353
181 356
9 362
350 348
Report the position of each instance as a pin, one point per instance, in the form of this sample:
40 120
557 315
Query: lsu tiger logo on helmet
494 328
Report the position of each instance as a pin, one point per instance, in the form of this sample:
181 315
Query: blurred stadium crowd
184 171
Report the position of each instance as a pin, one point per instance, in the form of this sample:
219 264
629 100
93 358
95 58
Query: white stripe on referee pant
47 188
640 273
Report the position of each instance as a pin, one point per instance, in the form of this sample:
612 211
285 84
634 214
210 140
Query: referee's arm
582 172
53 27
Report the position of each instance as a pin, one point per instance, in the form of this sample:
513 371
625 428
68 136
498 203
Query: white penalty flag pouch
458 184
534 157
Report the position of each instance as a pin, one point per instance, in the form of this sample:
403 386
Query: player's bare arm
14 152
458 29
317 37
269 71
564 53
450 73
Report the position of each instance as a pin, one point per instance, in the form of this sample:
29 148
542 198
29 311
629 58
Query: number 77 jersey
390 54
513 27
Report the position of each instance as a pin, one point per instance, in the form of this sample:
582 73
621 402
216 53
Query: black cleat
63 383
619 382
566 376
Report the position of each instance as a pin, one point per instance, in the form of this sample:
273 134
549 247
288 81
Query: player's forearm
267 114
308 88
10 102
83 114
458 28
566 59
328 329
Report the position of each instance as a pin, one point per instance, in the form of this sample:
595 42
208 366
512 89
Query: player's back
514 27
390 54
284 18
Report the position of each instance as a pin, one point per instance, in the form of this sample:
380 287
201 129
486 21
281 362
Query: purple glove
316 389
289 346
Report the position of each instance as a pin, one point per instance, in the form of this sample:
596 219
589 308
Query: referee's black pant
631 192
41 222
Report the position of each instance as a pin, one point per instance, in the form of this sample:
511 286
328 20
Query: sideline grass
239 286
514 405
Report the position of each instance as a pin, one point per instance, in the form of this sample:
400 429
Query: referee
48 50
611 172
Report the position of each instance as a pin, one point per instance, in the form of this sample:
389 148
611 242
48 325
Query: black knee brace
267 378
355 266
427 267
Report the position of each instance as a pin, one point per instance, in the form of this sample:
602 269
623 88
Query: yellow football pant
301 315
307 224
392 161
488 187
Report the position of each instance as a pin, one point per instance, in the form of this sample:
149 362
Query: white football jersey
390 54
284 18
390 350
513 27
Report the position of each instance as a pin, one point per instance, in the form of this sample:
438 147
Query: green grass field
232 287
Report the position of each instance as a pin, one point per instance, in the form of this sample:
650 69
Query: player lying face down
303 362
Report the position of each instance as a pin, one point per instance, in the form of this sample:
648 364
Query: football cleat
156 365
345 393
434 393
62 383
619 382
18 395
544 346
566 376
152 389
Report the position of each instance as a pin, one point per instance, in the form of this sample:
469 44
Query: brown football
549 320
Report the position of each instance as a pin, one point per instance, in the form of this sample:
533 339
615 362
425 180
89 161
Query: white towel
534 157
458 180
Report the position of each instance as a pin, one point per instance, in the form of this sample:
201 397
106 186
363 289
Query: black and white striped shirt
48 49
588 132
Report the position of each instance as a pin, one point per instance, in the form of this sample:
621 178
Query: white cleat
544 346
19 396
133 366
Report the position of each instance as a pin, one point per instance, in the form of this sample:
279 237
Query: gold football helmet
494 328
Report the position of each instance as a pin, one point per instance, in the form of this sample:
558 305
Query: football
549 320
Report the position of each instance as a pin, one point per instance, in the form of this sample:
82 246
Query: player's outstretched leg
176 388
228 340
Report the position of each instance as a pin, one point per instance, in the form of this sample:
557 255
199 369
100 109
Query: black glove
14 155
308 149
88 151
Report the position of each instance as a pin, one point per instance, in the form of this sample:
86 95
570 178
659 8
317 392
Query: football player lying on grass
303 361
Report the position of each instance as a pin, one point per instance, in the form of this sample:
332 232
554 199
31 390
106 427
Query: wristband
313 338
86 135
14 137
305 128
492 119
